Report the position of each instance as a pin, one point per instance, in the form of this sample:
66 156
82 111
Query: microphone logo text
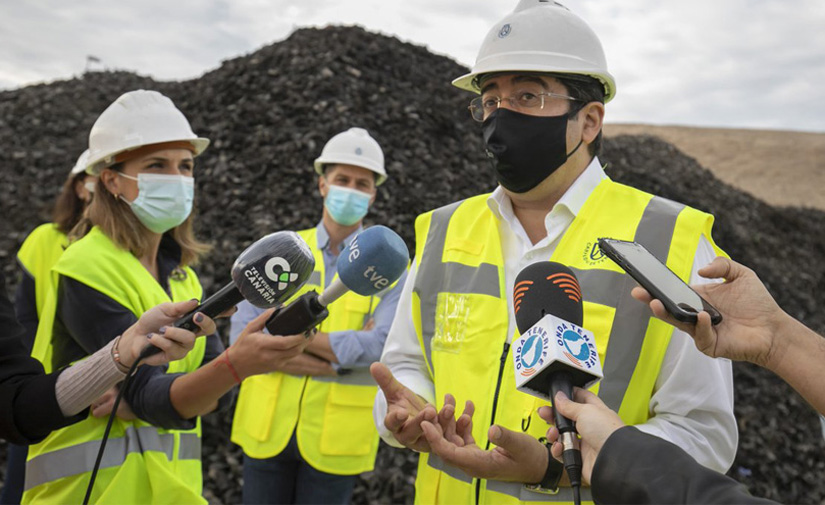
531 355
576 345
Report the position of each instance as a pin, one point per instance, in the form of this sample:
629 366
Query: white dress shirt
692 405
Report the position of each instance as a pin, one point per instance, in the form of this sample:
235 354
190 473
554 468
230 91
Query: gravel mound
268 115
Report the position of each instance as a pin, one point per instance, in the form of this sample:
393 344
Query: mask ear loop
571 113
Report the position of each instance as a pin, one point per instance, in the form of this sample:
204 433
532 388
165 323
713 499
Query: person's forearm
799 361
82 383
197 393
321 347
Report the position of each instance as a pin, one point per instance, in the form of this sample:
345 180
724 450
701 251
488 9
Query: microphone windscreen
545 288
273 268
374 259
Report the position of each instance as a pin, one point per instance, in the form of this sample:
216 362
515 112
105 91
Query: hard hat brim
94 167
356 162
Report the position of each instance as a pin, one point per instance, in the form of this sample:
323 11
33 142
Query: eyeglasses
481 107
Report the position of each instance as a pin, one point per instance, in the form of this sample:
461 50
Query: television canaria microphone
265 274
554 353
374 259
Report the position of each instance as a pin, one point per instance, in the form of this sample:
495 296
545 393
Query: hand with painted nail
256 352
155 327
594 420
405 410
517 457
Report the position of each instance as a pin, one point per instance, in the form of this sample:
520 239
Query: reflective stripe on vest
655 230
79 459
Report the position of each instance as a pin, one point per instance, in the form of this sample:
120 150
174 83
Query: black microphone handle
562 381
223 300
572 456
303 314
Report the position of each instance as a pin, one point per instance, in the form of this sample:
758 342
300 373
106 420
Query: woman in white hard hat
133 250
36 256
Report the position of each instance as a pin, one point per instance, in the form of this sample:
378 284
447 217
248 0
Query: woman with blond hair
134 249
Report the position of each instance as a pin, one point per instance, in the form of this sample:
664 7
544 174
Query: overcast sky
732 63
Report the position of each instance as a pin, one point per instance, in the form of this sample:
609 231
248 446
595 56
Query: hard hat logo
550 39
358 151
283 276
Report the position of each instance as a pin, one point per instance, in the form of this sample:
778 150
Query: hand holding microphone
266 273
554 353
374 259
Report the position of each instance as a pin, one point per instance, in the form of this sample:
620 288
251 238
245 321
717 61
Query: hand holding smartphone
680 300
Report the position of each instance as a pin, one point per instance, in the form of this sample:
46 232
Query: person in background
307 431
133 250
542 80
36 256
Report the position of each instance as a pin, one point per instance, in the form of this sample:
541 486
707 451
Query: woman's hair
68 208
116 220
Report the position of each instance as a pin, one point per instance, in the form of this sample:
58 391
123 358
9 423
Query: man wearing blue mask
307 430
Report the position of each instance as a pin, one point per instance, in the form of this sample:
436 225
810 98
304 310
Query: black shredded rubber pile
268 115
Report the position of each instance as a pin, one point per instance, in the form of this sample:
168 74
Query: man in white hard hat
308 432
543 81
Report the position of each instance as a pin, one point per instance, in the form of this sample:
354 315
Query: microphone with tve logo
554 353
374 259
265 274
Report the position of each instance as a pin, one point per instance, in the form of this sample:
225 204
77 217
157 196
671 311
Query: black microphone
554 353
265 274
374 259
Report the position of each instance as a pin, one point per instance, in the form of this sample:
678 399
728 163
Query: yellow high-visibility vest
460 314
142 463
332 416
38 254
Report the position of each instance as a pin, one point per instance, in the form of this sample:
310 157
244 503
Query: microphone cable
125 385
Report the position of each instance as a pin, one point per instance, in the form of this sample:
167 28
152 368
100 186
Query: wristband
550 482
231 368
116 356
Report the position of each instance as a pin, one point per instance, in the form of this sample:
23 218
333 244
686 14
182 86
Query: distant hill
779 167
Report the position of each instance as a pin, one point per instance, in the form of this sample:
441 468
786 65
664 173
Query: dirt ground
778 167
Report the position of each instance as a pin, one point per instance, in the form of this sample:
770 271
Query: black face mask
524 150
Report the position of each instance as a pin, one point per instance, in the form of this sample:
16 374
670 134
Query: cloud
739 63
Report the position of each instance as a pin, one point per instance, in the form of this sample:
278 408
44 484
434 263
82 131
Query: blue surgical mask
346 206
163 201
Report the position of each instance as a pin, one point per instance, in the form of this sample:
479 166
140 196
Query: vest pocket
348 428
256 408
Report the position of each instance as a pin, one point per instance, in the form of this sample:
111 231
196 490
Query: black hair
587 89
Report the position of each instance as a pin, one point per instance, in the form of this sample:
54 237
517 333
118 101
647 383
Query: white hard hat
353 147
541 36
80 165
138 118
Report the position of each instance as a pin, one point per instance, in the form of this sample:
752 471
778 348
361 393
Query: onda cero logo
278 270
532 352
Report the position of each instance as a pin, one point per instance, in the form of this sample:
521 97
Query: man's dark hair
588 90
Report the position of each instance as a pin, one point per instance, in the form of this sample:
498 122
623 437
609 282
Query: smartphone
680 300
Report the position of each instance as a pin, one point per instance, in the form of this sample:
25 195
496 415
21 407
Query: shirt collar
573 199
323 238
